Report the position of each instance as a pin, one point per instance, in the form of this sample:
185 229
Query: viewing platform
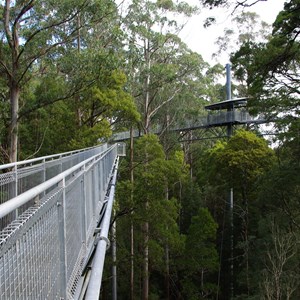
224 113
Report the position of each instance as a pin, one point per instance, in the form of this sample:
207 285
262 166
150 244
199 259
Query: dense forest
74 72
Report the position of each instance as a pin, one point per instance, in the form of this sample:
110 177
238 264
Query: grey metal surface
45 246
212 119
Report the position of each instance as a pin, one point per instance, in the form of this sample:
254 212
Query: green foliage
61 51
243 159
213 3
83 119
272 69
200 243
154 200
165 4
240 163
78 82
166 75
47 130
111 101
201 257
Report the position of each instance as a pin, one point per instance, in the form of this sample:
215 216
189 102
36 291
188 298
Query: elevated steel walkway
55 214
229 112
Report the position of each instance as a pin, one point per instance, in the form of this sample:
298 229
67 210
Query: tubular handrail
94 285
44 158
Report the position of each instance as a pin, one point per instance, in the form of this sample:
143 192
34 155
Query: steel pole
230 200
230 111
228 82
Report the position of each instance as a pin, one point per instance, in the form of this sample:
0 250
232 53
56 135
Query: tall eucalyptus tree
158 58
34 36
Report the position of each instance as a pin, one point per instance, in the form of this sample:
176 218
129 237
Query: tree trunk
246 237
77 97
13 130
167 250
147 109
147 101
145 295
12 36
167 275
131 226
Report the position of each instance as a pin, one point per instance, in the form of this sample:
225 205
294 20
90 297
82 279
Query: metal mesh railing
212 119
44 248
17 178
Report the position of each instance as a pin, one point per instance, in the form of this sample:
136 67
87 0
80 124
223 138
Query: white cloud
202 40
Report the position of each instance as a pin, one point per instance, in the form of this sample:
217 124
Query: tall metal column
228 97
228 81
230 196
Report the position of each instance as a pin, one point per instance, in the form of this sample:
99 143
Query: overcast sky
203 40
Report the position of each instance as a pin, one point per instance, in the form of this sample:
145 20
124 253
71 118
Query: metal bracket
97 230
106 240
99 238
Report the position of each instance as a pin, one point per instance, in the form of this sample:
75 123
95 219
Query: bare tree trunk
131 226
167 257
167 250
145 295
147 96
78 110
12 37
278 282
167 276
13 130
246 237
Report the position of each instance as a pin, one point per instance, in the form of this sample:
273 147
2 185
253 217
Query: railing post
96 199
103 174
44 170
16 213
44 173
93 191
83 205
99 181
60 165
62 241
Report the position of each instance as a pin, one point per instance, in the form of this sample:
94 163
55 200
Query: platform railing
222 118
44 249
18 177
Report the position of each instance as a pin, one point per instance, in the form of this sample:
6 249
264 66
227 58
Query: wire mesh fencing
17 178
44 246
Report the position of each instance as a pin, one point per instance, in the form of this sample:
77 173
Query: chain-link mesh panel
88 200
73 215
44 246
18 178
29 268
